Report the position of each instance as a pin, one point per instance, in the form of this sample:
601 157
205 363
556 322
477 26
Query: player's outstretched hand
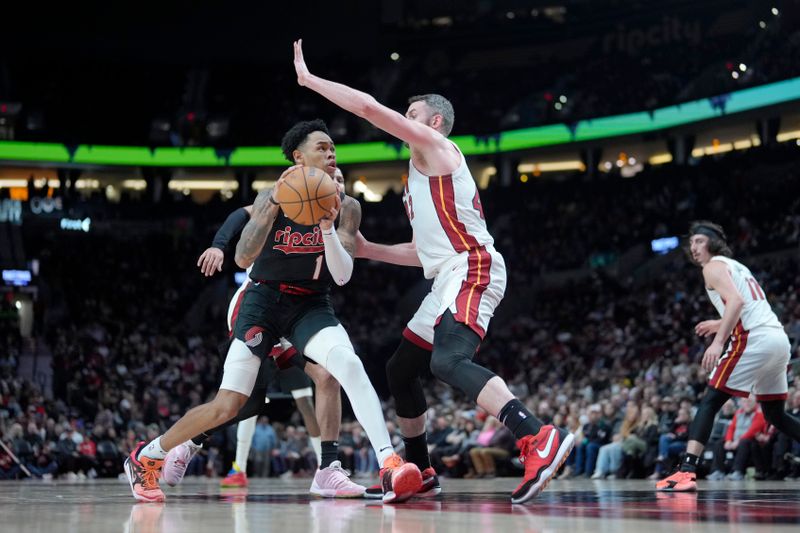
300 64
211 261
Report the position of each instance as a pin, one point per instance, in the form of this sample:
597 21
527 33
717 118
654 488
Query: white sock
154 450
244 440
346 367
316 443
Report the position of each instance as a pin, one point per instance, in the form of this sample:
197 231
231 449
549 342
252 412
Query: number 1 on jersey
318 269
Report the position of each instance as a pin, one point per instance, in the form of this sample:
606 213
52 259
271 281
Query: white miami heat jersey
756 311
446 215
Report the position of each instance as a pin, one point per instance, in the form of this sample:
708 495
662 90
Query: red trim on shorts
444 202
283 358
413 338
732 392
739 344
236 307
469 296
771 397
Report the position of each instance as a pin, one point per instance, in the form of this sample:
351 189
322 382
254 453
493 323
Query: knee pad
454 346
403 370
240 369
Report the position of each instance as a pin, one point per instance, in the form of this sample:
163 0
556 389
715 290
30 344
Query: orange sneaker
400 480
235 477
678 482
143 476
542 454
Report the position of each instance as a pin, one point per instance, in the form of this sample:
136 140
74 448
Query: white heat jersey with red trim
446 215
756 311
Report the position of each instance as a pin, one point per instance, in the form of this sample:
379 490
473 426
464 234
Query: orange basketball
307 194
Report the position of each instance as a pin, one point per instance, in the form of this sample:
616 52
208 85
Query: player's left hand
210 261
712 355
300 64
326 222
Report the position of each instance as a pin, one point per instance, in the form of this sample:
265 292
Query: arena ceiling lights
507 141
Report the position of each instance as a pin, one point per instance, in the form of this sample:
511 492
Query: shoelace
149 478
393 461
340 481
525 449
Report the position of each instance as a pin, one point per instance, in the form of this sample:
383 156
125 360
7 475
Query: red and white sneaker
143 476
542 454
399 480
176 461
678 482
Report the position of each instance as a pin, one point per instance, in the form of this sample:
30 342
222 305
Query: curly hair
717 240
298 134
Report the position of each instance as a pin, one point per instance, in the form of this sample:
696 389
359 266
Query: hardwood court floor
272 505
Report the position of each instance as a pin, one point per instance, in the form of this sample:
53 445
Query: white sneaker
716 475
333 482
176 461
598 475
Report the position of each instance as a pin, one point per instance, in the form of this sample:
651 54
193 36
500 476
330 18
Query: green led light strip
507 141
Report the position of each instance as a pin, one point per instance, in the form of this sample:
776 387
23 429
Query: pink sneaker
334 482
176 461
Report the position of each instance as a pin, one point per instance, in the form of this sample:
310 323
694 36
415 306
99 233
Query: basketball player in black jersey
292 381
293 266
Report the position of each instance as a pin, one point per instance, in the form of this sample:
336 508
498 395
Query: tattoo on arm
255 232
349 222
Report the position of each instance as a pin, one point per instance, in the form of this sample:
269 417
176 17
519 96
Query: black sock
417 451
519 420
690 462
200 439
330 453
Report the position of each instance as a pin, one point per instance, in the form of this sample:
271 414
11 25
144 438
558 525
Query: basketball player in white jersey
453 246
757 355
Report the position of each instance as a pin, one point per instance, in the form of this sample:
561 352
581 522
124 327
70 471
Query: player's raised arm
365 106
403 254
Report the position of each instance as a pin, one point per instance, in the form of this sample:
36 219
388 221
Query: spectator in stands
595 434
609 458
672 443
495 443
739 441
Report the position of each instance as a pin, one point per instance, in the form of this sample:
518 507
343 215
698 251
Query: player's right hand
707 328
211 261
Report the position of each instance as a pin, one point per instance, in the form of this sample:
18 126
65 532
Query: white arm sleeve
339 262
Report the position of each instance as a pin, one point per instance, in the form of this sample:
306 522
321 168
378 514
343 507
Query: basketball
307 194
